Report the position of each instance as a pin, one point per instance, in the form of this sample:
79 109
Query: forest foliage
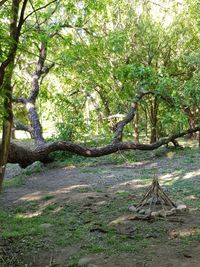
100 53
80 64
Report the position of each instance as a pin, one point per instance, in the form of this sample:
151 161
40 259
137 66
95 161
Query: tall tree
17 19
6 73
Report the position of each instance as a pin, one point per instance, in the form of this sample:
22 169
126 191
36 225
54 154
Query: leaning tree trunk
35 122
6 73
119 127
30 102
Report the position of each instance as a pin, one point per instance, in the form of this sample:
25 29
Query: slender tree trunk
146 121
5 82
136 127
192 116
153 137
199 139
153 119
7 124
13 132
192 124
6 73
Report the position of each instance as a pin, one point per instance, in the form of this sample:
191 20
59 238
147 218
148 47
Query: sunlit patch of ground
58 216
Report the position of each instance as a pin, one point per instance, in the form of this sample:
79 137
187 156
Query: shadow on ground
65 216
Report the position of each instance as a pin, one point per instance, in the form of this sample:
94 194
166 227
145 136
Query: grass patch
17 181
123 194
88 171
71 225
74 225
90 227
47 197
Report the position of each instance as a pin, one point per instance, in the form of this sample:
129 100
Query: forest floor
77 214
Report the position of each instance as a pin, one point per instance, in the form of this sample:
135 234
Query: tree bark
199 139
153 119
136 126
6 73
30 102
21 127
35 122
118 132
26 157
192 120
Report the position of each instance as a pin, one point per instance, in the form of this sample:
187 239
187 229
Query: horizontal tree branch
22 127
19 100
25 157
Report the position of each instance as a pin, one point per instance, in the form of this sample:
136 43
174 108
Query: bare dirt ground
92 186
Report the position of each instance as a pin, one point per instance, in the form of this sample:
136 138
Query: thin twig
39 8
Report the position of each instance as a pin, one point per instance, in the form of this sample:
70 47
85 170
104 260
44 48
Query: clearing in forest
78 215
